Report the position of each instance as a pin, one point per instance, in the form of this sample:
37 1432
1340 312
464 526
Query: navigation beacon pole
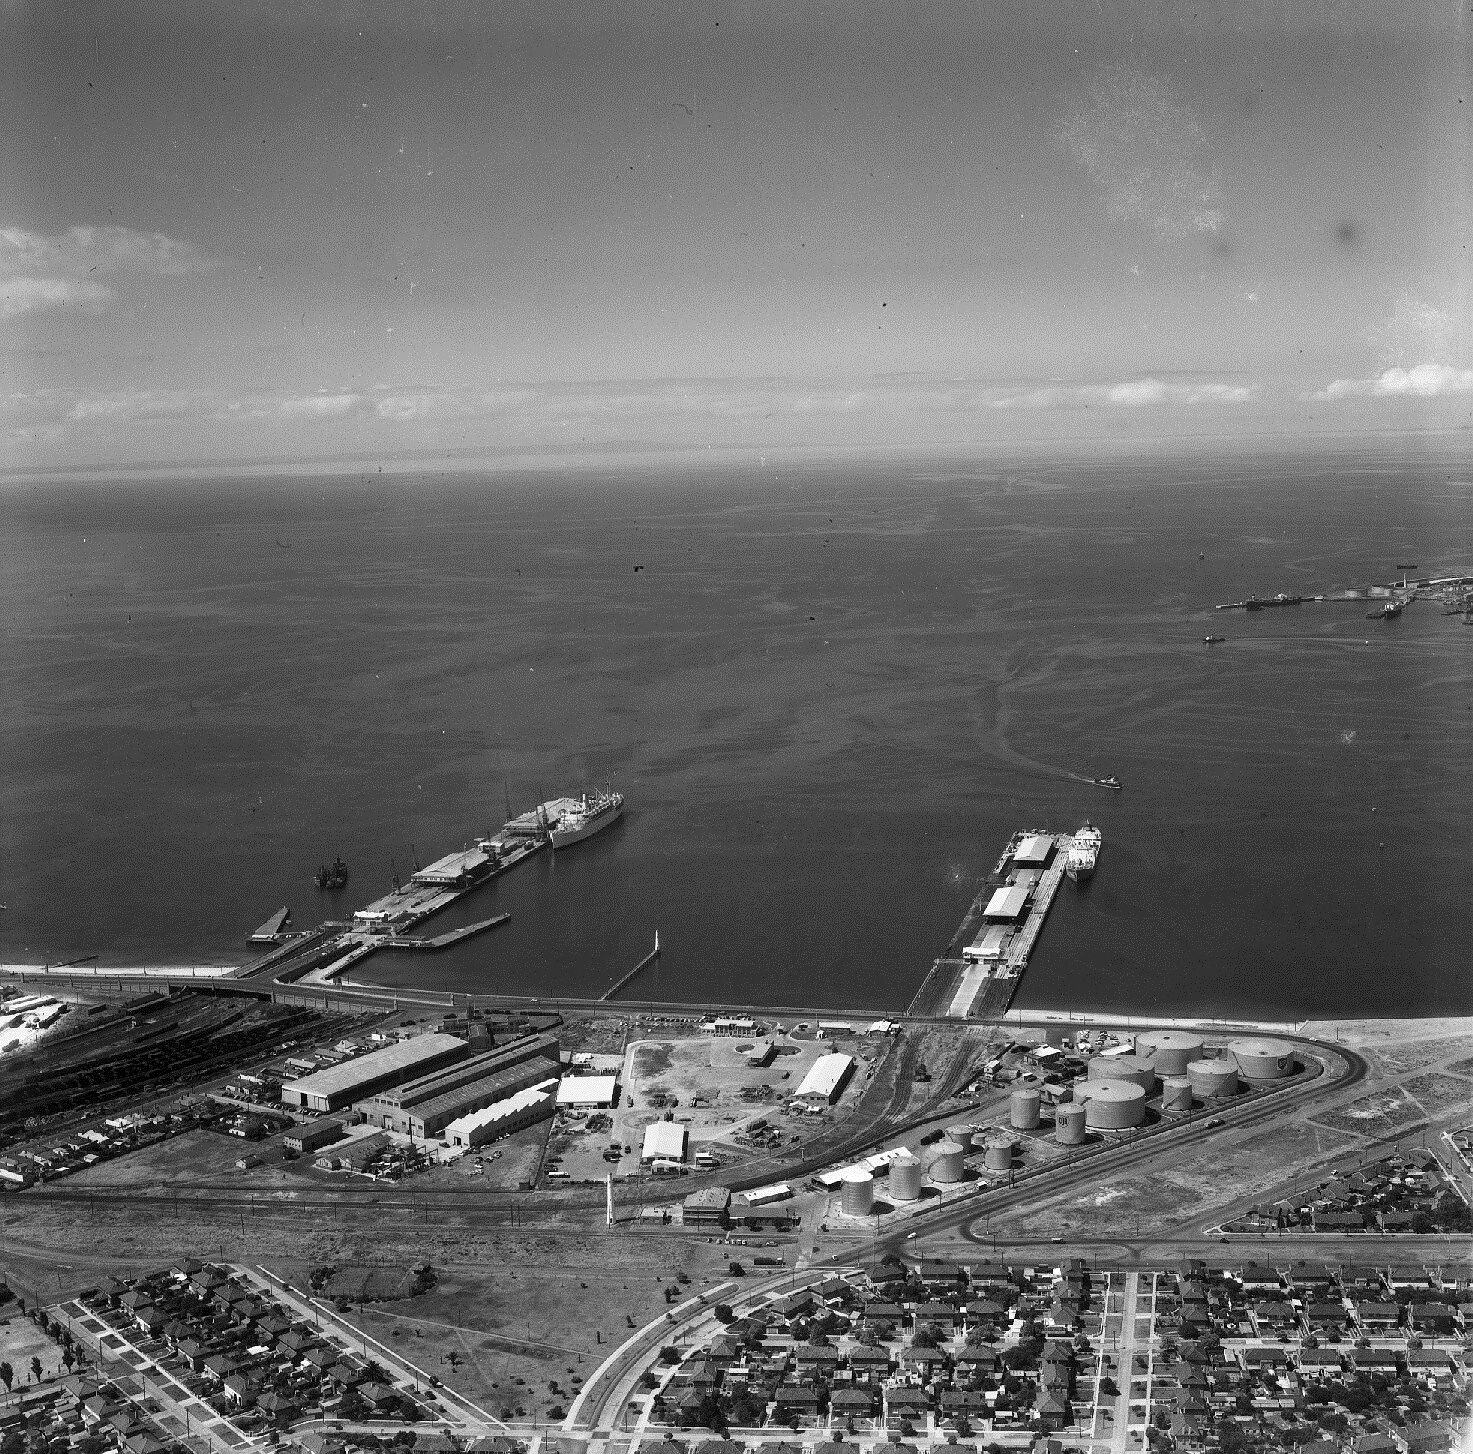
609 1198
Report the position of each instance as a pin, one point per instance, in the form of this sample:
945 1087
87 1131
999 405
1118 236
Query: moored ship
581 818
1079 862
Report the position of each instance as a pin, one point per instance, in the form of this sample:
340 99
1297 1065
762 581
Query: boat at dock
1079 861
579 818
1389 612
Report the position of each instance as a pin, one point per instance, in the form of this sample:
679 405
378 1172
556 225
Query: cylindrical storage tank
857 1193
1135 1069
948 1163
1176 1095
1069 1125
1171 1051
905 1179
999 1155
1023 1110
962 1135
1263 1059
1213 1078
1115 1105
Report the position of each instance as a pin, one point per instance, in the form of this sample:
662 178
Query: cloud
1128 394
130 404
318 406
20 295
1148 154
39 272
1421 381
86 250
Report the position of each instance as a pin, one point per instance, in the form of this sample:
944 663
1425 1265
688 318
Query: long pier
440 941
619 984
959 988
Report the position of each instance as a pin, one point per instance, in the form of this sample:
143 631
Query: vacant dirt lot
191 1158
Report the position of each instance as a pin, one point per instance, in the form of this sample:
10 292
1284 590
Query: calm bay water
830 695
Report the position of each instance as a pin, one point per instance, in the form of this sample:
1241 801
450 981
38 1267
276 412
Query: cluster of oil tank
1115 1089
1111 1097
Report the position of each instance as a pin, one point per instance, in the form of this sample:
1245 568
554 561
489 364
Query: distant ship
1079 862
1388 612
1113 783
331 878
581 818
1212 640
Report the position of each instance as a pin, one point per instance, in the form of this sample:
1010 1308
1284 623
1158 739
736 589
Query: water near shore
829 695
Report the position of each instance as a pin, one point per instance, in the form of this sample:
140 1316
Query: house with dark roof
1435 1319
1368 1360
796 1400
853 1401
1051 1408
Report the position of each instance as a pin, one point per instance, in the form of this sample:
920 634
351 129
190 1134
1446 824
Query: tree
7 1376
69 1357
36 1369
724 1313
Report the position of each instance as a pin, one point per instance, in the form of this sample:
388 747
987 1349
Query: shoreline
1310 1026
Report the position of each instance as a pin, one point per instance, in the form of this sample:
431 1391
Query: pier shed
1034 851
456 870
989 946
1007 904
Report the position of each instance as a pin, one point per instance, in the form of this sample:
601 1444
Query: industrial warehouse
425 1106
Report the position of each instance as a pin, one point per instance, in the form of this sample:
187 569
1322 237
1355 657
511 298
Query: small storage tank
857 1192
905 1179
948 1163
999 1155
1212 1079
1171 1051
1023 1110
962 1135
1263 1059
1133 1068
1115 1105
1069 1125
1176 1095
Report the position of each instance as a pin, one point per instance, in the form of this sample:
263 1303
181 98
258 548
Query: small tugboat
332 877
1113 783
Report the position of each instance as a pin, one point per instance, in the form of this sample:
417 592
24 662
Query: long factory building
425 1106
336 1086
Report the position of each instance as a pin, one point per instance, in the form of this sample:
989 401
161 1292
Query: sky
245 234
